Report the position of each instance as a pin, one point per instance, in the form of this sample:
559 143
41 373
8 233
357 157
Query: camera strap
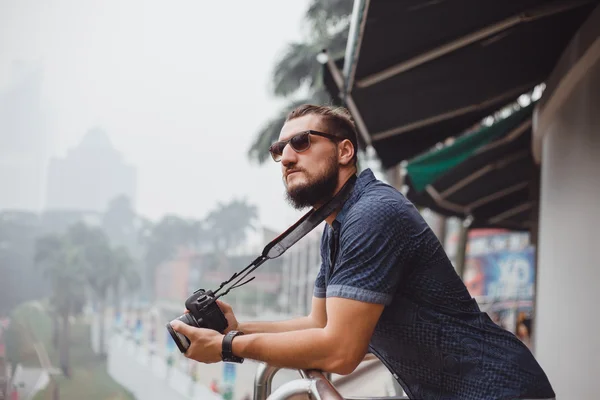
293 234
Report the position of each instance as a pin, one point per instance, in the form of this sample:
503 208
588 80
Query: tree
161 242
19 281
126 278
229 223
119 223
224 226
103 266
61 264
328 22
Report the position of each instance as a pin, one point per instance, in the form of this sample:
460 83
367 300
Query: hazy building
301 264
89 176
23 141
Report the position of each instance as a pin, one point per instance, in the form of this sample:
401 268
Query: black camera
204 312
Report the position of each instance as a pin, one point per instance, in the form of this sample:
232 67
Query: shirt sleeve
320 284
375 249
320 291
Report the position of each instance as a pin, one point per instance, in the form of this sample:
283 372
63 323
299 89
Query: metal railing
313 383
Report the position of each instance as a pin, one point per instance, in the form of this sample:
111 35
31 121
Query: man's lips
287 174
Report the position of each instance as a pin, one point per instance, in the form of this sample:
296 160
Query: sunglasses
299 142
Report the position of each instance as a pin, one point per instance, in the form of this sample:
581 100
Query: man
385 286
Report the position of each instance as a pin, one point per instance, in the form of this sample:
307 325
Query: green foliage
61 263
119 223
27 318
297 67
226 225
163 239
90 379
125 276
58 257
82 255
70 261
97 260
31 323
229 223
19 280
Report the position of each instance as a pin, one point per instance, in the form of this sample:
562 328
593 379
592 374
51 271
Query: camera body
204 312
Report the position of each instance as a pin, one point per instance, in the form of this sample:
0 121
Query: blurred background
134 169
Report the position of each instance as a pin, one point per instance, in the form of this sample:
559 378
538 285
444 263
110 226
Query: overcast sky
180 86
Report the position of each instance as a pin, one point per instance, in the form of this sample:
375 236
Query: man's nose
288 156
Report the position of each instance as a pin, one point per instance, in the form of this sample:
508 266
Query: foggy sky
181 87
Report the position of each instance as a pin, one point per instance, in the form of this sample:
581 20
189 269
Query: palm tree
242 217
125 277
119 221
229 223
161 242
19 282
62 266
328 22
99 267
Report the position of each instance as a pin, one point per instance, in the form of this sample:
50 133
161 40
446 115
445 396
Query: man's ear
345 152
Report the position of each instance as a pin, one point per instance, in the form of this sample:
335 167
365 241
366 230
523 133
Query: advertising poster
500 274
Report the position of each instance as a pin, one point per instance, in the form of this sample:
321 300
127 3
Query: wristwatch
227 351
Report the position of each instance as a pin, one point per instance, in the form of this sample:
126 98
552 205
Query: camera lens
188 319
182 342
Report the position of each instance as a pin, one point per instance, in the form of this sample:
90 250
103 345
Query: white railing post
263 381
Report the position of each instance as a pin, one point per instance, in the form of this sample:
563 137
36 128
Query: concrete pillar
567 140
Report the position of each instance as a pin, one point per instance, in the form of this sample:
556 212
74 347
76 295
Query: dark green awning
427 168
486 176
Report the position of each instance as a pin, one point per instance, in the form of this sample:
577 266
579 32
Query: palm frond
336 44
325 15
298 66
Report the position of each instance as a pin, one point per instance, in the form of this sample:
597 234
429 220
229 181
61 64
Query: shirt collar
363 180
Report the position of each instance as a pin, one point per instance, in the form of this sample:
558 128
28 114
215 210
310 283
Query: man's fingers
224 306
182 328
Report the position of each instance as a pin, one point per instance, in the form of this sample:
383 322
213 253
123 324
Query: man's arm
373 256
338 347
316 319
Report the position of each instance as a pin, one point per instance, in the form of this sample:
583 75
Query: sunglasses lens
276 150
300 142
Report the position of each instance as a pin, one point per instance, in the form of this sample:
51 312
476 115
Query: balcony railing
313 384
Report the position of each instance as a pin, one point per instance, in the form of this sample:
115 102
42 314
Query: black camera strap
293 234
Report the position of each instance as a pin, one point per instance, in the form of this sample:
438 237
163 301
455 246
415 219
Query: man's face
311 176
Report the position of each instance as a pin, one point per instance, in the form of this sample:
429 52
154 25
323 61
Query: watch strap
227 347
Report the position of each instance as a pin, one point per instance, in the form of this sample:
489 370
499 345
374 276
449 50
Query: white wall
567 330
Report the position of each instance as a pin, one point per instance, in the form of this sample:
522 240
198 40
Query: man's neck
344 175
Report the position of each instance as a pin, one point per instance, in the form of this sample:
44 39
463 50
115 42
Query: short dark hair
337 120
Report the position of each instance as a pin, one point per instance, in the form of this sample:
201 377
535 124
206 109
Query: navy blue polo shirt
432 336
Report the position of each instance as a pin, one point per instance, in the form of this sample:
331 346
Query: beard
317 189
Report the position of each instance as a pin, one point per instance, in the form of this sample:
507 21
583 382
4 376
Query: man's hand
205 344
232 323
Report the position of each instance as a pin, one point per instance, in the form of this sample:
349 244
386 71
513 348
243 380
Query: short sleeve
376 245
319 290
320 281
